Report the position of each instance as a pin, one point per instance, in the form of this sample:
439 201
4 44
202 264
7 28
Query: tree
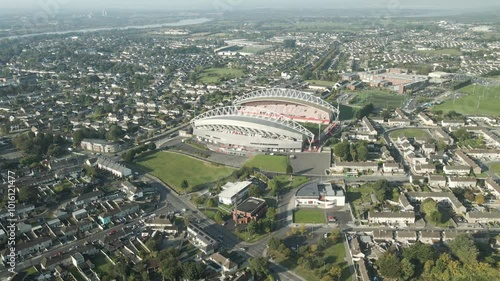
151 146
252 227
436 217
407 269
462 134
362 151
464 249
184 184
353 152
274 243
389 265
275 186
302 229
336 272
192 270
115 133
335 235
342 150
289 170
212 202
259 266
253 191
480 199
218 217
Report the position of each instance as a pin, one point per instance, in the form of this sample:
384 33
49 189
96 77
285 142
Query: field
410 133
321 83
214 75
296 181
379 99
269 163
173 168
495 168
309 216
489 103
451 52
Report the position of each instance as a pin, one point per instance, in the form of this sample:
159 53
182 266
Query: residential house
459 170
483 217
403 201
113 167
426 119
437 181
492 186
448 197
403 218
430 236
392 167
369 126
465 159
228 266
399 122
132 191
201 239
162 224
453 123
101 146
355 166
406 236
459 182
87 198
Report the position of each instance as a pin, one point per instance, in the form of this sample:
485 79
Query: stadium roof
260 115
286 94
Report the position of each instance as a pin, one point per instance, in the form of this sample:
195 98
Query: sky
250 4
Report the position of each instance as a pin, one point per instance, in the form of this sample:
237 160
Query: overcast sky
249 4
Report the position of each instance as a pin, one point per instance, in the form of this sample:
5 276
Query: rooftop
251 204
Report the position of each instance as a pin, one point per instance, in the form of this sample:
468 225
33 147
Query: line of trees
462 260
351 151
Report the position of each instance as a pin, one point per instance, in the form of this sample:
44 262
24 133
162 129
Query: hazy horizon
254 4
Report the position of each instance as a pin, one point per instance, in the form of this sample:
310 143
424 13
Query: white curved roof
250 112
287 94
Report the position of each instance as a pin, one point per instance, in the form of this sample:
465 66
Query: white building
458 182
234 192
201 239
321 195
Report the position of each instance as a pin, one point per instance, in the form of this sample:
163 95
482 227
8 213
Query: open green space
321 83
269 163
410 133
245 236
379 99
214 75
488 99
78 276
294 183
437 52
333 255
495 168
346 112
309 216
173 169
360 199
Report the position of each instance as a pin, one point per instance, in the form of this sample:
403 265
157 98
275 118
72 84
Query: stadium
263 121
296 105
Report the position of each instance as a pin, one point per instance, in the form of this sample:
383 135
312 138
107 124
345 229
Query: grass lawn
269 163
173 168
468 104
31 270
101 263
449 51
410 133
379 99
495 168
333 255
296 181
244 236
321 83
78 276
309 216
346 112
214 75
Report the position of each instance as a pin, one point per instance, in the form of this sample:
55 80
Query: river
169 24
